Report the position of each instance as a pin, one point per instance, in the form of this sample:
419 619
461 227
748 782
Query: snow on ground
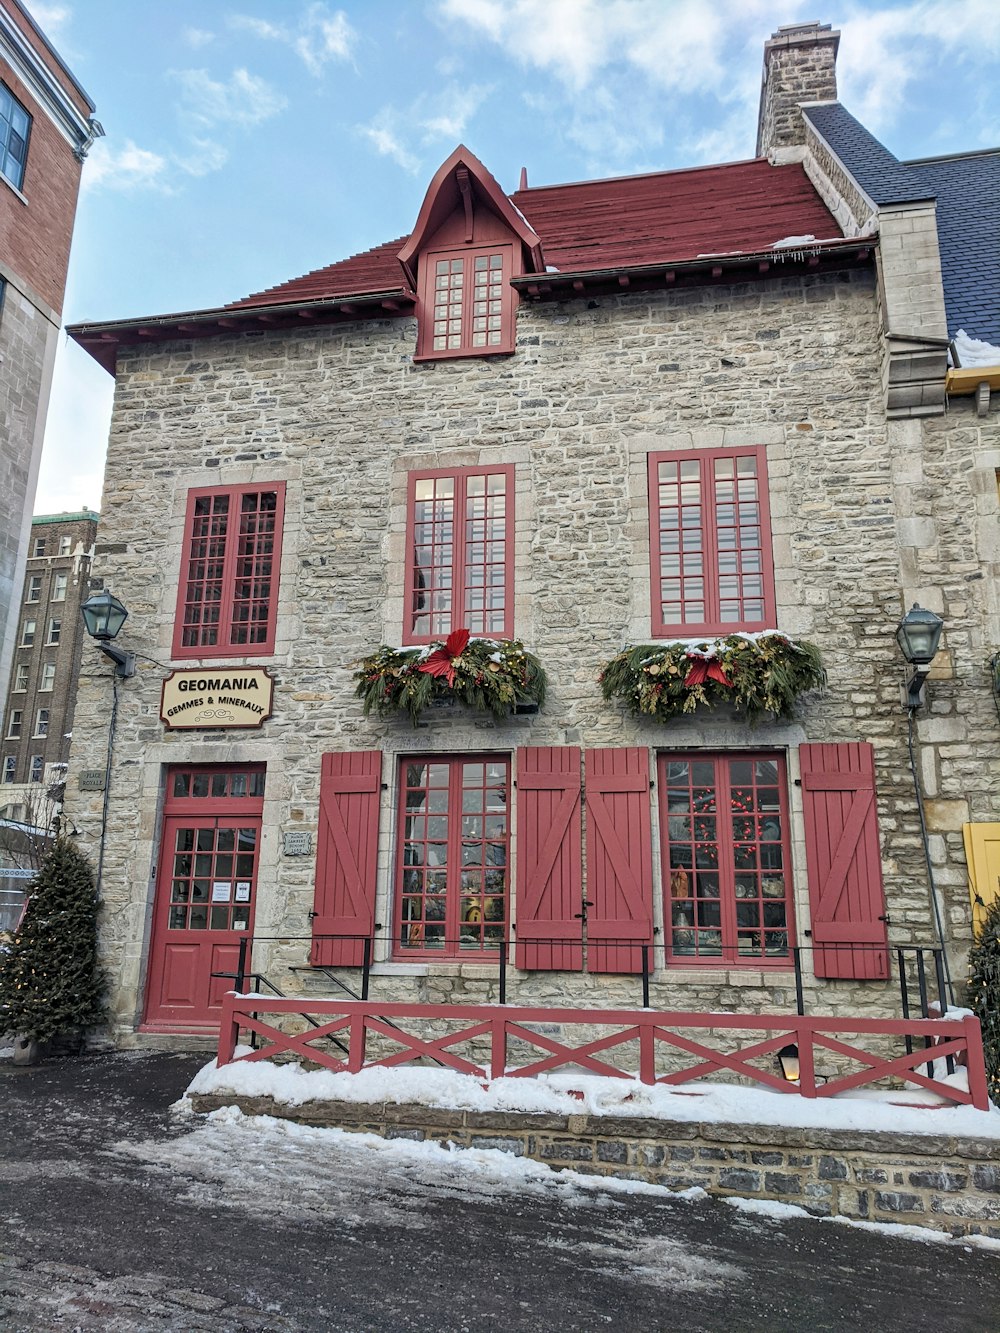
568 1094
781 1212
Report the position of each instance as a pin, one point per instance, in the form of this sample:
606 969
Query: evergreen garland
984 993
489 675
50 981
761 674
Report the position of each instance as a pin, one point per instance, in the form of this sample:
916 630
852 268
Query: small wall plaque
92 779
298 844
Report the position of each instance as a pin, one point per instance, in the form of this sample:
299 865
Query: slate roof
968 219
883 177
662 218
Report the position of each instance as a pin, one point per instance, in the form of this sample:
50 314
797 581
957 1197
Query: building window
42 722
55 629
10 768
34 592
467 303
48 677
37 769
28 633
59 583
727 877
39 548
15 127
229 581
460 539
711 567
14 723
65 545
451 878
21 672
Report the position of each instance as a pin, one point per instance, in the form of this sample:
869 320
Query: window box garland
489 675
754 673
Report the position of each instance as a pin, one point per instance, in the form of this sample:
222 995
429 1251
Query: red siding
846 898
549 873
346 856
619 858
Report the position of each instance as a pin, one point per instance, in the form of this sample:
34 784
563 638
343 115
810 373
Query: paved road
114 1216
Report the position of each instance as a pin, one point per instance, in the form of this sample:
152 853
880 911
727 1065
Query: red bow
702 669
442 661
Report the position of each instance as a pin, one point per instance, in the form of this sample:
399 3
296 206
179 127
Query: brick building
648 411
46 128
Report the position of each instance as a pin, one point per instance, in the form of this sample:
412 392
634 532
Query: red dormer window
467 303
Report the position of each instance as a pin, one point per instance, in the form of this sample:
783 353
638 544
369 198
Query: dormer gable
468 243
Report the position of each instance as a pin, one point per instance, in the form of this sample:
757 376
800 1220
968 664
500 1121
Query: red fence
348 1025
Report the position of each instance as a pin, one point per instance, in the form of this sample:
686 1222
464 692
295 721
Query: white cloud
385 134
51 18
198 37
205 157
318 38
76 433
127 168
244 99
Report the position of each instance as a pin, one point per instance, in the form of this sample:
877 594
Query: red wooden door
205 893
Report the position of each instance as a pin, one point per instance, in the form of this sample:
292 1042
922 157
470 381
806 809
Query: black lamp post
918 636
104 615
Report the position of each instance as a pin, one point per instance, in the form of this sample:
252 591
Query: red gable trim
461 175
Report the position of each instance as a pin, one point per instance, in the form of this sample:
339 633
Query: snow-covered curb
569 1094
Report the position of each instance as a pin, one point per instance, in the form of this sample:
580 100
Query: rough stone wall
28 334
936 1181
854 211
800 65
341 414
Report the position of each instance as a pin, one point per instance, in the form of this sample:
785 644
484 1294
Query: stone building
46 127
649 411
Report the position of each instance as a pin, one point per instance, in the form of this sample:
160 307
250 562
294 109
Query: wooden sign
203 699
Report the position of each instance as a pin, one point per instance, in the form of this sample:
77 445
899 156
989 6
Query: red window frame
453 870
723 553
726 861
216 559
455 539
468 332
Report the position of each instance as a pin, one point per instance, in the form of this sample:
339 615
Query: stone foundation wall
944 1183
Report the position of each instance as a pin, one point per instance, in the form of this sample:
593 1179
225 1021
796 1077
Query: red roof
665 217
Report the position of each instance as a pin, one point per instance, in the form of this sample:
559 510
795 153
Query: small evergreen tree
50 981
984 994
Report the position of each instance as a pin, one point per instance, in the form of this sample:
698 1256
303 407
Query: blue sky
253 140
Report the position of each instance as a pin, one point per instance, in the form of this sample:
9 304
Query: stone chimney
800 65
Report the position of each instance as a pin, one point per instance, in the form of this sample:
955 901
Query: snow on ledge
905 1112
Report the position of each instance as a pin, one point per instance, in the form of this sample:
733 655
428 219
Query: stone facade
800 65
341 415
935 1181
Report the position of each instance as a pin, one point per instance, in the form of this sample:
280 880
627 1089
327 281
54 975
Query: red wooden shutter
846 899
549 874
619 859
346 857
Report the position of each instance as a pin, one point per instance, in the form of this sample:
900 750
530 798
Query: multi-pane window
217 784
711 569
229 578
59 583
28 630
10 768
21 673
15 127
212 876
451 877
34 591
47 679
460 541
467 306
14 721
37 768
65 545
42 722
727 878
39 548
55 630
